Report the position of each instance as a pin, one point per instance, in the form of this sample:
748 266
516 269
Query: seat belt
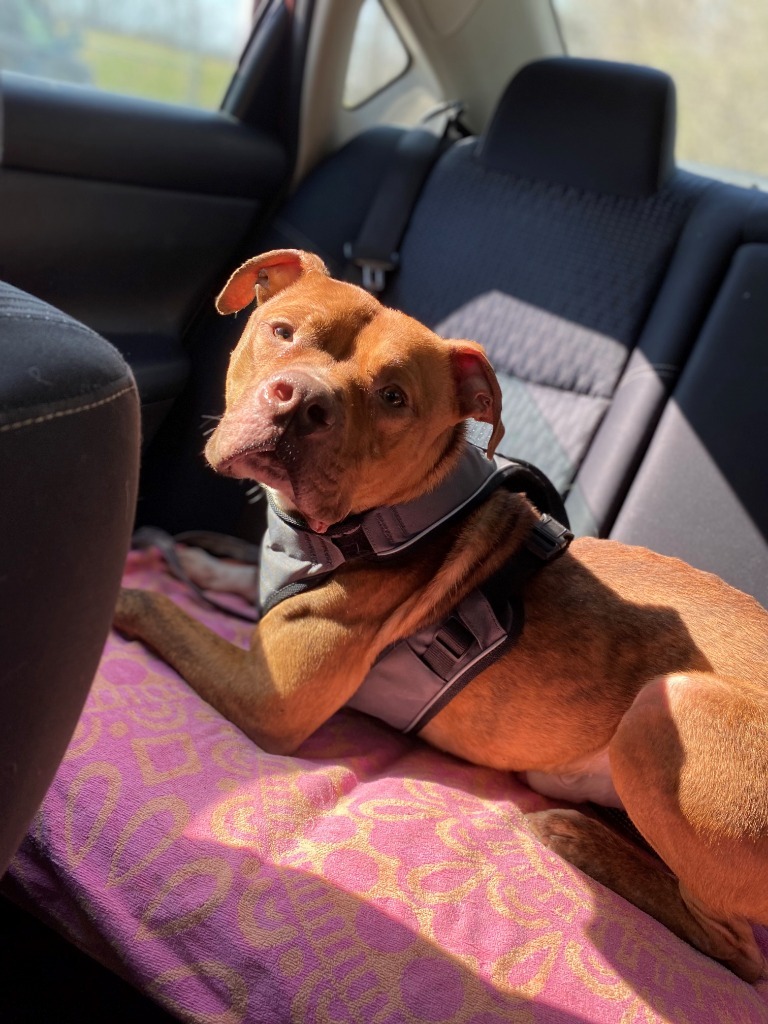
376 250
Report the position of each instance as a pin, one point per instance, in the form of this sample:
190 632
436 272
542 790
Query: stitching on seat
664 370
9 314
562 388
5 428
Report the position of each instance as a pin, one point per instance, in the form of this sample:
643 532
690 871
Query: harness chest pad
413 679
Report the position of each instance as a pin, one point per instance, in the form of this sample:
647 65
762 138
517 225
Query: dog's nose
302 400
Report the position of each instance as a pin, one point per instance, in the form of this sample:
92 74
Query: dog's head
336 402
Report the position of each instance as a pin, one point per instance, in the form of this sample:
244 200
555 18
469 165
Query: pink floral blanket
369 879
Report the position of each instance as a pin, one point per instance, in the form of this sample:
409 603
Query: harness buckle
351 541
448 647
549 539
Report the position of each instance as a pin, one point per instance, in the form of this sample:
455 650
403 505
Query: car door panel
68 129
124 213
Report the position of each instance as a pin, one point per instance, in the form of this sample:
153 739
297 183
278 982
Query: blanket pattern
368 879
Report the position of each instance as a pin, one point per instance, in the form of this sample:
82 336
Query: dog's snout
316 415
282 391
307 403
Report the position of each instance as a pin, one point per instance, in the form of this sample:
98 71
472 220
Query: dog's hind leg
643 880
690 762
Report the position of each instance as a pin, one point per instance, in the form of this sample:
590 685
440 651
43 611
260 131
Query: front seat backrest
69 450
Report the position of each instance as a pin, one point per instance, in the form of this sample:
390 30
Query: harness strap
414 679
293 554
295 558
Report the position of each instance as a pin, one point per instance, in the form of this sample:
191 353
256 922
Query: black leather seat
69 443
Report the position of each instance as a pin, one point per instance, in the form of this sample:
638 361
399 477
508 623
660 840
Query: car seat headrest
591 124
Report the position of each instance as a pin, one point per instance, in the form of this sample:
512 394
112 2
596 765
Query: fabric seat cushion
368 878
558 290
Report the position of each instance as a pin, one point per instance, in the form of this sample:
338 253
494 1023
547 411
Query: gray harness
415 678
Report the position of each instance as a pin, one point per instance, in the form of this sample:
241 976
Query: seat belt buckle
549 539
374 269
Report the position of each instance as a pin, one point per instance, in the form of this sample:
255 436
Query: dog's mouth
256 461
281 466
259 462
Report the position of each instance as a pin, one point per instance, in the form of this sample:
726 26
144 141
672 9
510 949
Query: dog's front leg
278 692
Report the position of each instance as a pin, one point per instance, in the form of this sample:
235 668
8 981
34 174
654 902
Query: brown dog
637 681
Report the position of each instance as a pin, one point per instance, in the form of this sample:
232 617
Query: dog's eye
393 396
283 331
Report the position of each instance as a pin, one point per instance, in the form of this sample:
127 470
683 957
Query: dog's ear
477 390
264 276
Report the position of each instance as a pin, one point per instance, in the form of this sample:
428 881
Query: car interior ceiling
621 299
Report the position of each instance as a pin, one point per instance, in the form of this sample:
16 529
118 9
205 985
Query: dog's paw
129 611
201 567
568 833
218 574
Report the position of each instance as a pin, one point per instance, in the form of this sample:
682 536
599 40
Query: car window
378 55
716 52
180 51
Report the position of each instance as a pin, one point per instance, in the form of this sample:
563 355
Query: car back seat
547 239
564 239
701 493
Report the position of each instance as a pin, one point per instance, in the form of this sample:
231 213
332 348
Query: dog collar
294 557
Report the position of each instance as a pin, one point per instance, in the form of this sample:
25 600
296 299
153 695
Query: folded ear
477 390
264 276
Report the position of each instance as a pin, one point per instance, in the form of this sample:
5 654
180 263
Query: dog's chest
413 679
